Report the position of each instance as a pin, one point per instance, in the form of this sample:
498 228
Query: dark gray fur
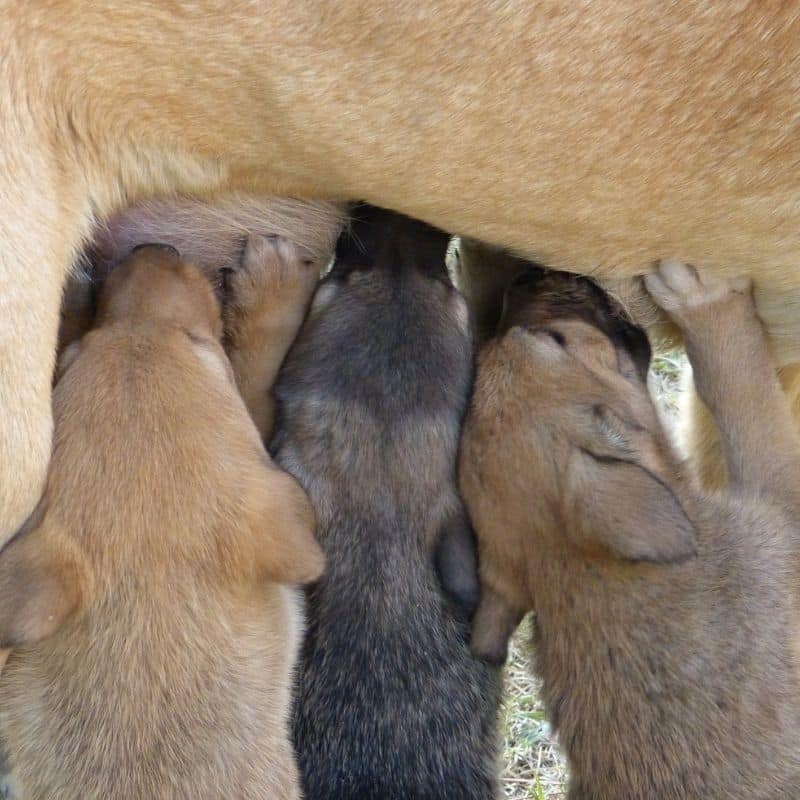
390 702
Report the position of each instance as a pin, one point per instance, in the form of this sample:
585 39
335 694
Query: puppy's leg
698 438
267 302
735 376
456 557
494 624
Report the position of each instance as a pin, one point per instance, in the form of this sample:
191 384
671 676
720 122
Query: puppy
390 701
666 619
147 600
210 235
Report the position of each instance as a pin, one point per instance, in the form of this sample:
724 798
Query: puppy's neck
134 327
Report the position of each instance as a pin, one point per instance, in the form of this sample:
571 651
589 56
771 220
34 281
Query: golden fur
665 616
147 601
698 437
599 136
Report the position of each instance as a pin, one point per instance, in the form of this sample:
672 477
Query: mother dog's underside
596 137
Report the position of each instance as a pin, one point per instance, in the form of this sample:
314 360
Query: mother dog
600 136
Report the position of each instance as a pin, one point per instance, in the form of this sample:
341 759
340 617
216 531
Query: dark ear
633 341
40 585
456 559
495 621
621 507
283 525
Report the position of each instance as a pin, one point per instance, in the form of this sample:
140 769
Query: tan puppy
599 136
146 600
210 235
666 619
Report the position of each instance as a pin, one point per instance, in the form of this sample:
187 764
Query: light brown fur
698 437
597 136
665 617
146 601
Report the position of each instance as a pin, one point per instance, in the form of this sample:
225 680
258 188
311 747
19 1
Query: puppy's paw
683 292
274 274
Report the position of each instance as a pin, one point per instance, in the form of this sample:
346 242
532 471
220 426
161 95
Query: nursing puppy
147 600
666 619
390 701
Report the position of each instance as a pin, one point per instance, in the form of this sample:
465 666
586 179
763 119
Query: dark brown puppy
153 633
666 619
391 703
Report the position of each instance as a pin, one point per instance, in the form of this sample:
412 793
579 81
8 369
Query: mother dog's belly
595 137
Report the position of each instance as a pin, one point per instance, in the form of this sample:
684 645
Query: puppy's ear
456 559
283 522
493 625
622 508
42 581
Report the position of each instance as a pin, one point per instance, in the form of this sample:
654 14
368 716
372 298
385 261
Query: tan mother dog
666 619
146 600
599 136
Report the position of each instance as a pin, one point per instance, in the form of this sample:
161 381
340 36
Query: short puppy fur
390 702
147 601
666 627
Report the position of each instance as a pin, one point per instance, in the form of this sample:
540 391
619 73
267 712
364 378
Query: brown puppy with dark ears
147 601
666 619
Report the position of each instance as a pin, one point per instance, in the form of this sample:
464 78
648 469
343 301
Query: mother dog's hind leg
42 218
699 436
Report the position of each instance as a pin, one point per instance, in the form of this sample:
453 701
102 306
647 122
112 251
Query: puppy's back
390 702
173 680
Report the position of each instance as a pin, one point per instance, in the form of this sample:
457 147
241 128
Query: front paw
684 293
274 273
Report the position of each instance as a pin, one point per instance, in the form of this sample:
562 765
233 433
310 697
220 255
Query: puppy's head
379 239
563 453
559 304
389 303
385 255
155 283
